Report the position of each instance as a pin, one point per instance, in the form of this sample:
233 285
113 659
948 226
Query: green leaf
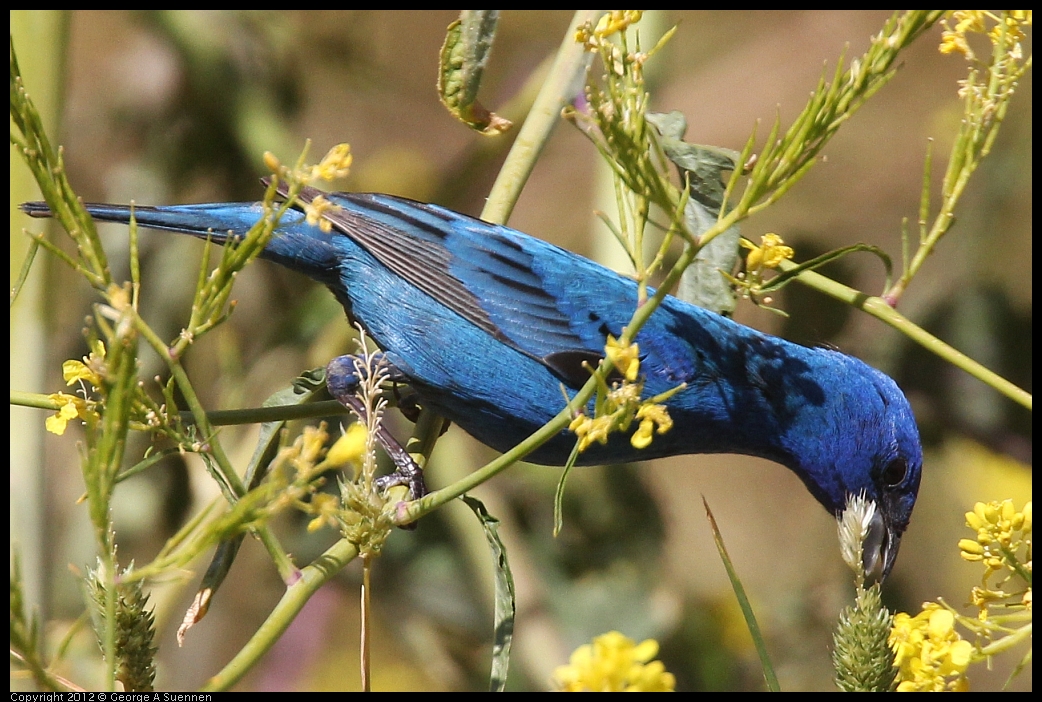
559 493
304 388
468 43
506 606
743 602
702 167
702 283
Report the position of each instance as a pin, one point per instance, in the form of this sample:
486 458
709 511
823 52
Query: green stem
367 566
287 570
567 71
1005 643
206 432
259 415
109 583
416 509
557 91
34 399
880 309
311 578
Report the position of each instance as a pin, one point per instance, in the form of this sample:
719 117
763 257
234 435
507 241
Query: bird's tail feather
296 245
218 222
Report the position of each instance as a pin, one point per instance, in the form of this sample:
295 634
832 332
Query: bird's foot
342 381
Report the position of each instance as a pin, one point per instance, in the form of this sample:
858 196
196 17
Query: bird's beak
880 548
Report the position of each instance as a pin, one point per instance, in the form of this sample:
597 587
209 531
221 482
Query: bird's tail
295 244
218 222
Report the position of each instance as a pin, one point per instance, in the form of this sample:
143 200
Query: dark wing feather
416 242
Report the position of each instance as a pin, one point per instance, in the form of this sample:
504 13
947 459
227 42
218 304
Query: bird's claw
342 381
411 477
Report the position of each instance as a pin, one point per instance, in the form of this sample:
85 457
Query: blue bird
486 324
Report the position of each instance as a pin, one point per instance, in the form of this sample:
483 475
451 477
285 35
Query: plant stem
880 309
312 577
560 87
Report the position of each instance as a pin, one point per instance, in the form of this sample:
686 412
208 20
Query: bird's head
862 440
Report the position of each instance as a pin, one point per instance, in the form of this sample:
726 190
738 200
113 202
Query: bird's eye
894 473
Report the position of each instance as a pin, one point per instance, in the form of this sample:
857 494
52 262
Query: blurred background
178 107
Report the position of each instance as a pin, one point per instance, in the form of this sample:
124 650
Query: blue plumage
487 323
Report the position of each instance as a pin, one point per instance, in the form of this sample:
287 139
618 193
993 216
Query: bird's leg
342 381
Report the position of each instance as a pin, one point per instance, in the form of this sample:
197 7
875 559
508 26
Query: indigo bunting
487 324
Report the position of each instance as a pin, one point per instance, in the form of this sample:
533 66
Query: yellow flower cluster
315 210
327 507
614 663
336 164
348 451
615 416
1000 530
769 254
619 405
1010 23
626 359
1001 533
308 449
929 653
90 371
610 23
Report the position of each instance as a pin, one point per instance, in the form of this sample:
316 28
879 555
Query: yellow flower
73 370
650 415
624 396
952 43
620 404
308 448
642 437
769 254
349 448
315 211
89 369
614 663
335 164
609 23
625 359
616 21
1000 529
326 507
1001 533
1008 23
953 40
272 163
982 598
928 651
71 407
591 429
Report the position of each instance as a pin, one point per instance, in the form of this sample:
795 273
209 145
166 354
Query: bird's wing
490 275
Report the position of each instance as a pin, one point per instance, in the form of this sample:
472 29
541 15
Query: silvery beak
879 550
